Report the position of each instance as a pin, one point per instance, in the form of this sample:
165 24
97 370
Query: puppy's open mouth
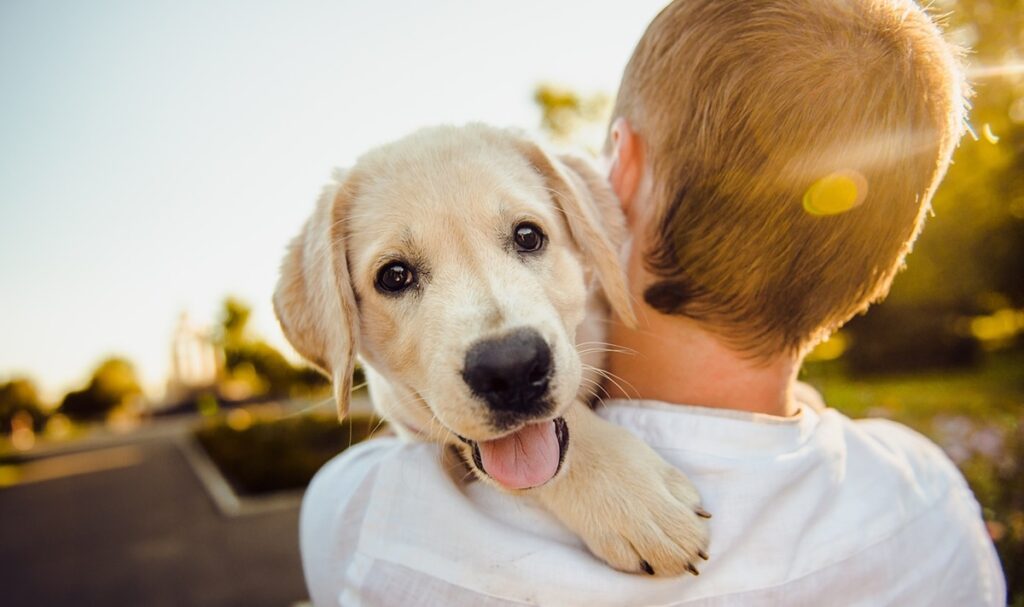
528 457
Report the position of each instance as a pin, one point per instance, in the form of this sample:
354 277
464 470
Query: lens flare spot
239 420
835 193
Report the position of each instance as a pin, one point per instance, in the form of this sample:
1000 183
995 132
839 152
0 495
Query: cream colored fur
448 198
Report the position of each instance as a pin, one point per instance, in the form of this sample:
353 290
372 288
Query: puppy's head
457 263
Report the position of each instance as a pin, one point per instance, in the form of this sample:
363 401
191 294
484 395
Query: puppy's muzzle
511 374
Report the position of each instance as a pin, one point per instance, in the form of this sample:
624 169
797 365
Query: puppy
471 272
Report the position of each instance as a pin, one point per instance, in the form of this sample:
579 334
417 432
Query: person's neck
674 360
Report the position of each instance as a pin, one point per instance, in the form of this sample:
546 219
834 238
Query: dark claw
702 554
693 569
646 567
702 513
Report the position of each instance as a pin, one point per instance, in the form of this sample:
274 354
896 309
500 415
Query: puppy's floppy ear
314 301
594 217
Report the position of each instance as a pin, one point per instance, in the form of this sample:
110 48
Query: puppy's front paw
630 507
657 527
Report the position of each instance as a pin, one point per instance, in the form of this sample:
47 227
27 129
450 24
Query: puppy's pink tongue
524 459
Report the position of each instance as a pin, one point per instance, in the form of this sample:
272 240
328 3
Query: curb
229 503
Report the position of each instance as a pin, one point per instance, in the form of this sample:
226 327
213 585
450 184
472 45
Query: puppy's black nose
510 373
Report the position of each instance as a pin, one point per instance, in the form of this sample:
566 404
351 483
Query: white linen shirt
811 510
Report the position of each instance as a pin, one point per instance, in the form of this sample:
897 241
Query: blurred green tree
571 118
253 361
20 394
234 321
113 384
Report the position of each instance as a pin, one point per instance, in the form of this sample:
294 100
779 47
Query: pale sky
157 155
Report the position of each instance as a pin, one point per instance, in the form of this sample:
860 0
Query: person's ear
627 164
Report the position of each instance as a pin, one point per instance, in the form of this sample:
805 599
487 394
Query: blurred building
196 362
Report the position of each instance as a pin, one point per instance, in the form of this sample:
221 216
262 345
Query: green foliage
571 118
275 455
894 338
20 395
252 360
259 360
234 321
993 392
113 383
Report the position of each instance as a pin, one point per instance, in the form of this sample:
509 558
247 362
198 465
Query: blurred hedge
901 338
279 454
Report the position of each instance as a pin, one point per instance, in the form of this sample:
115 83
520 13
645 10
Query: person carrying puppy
775 160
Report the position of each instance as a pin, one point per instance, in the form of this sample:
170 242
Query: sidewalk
144 535
133 525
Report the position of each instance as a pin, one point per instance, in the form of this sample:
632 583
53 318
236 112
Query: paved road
134 527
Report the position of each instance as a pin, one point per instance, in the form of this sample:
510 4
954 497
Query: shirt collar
723 433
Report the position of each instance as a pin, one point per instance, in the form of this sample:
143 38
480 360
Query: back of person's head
794 147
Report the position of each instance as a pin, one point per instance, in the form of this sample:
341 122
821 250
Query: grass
993 392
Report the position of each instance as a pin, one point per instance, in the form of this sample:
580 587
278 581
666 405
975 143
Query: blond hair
743 108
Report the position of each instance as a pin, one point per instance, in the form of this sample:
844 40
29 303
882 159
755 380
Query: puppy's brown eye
395 277
528 238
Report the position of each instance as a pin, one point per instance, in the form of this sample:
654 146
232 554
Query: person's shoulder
898 447
356 469
893 468
882 443
339 502
359 460
953 513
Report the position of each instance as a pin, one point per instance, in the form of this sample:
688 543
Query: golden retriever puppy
471 273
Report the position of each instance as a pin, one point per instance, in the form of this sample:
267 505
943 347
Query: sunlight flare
995 71
835 193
